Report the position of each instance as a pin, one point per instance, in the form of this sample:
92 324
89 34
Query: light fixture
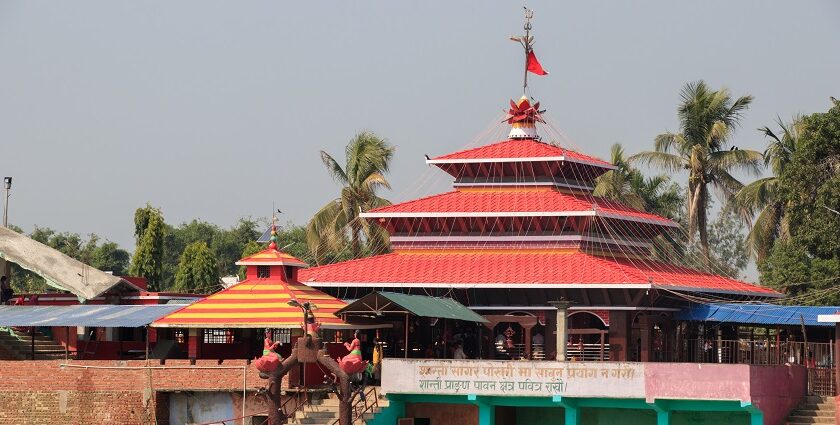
8 182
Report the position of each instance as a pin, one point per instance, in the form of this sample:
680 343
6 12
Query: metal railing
361 406
759 352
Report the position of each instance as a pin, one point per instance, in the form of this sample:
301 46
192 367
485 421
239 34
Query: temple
521 229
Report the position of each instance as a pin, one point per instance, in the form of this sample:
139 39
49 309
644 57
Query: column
528 347
644 334
572 414
193 344
619 335
562 328
486 414
663 418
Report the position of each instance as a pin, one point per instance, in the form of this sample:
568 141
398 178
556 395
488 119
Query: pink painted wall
697 381
776 390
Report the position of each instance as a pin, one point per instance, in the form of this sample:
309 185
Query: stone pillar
619 335
562 328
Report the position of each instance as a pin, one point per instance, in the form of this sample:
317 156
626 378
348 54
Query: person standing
6 291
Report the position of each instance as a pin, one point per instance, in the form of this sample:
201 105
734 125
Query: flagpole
526 43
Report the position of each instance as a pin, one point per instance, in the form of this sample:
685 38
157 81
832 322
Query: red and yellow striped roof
256 303
271 257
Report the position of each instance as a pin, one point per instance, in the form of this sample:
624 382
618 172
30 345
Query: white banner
514 378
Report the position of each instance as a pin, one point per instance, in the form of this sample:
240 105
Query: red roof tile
512 202
517 268
522 148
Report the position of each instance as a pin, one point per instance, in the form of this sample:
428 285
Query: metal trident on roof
527 41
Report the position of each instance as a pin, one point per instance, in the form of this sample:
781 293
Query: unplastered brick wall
43 392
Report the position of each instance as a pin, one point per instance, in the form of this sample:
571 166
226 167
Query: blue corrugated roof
109 316
757 314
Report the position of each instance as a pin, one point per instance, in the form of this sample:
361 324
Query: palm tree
707 122
762 197
629 186
366 163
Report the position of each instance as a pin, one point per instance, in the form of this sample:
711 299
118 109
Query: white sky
216 109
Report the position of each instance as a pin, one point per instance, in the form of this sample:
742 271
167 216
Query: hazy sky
214 110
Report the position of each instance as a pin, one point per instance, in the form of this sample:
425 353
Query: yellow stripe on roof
245 315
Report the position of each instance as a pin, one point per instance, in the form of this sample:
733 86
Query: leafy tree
707 123
366 163
197 270
728 243
762 196
148 256
250 249
110 257
809 186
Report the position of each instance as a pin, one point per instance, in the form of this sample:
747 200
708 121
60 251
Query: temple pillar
562 328
527 342
193 344
644 334
550 333
619 335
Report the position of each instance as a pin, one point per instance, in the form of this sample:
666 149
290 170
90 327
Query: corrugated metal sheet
756 314
444 308
59 270
109 316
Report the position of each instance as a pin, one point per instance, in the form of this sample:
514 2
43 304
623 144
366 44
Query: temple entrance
588 337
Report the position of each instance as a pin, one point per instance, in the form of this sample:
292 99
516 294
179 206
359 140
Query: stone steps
325 412
813 410
19 346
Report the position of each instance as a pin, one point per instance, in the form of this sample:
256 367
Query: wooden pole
66 342
147 345
32 340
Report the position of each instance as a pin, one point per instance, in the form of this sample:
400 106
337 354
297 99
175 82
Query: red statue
270 360
353 363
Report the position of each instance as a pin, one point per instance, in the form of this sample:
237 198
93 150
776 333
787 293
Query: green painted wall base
586 411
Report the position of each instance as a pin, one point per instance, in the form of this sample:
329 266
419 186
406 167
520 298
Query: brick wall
42 392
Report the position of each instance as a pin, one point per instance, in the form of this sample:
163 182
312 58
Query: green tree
366 163
628 185
707 122
148 256
762 196
809 187
250 249
110 257
197 270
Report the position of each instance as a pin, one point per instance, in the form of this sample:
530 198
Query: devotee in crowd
459 354
6 292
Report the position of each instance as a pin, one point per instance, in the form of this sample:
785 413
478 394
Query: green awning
384 303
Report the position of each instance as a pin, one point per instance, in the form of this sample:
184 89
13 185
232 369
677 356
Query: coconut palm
761 196
366 163
707 123
630 187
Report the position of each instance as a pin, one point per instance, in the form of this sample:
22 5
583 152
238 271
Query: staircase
16 345
814 410
325 411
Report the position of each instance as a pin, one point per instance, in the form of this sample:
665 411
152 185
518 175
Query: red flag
534 65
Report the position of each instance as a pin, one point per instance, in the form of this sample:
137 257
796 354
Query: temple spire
273 239
527 42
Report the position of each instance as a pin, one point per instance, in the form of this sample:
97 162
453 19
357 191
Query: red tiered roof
528 269
525 202
520 150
